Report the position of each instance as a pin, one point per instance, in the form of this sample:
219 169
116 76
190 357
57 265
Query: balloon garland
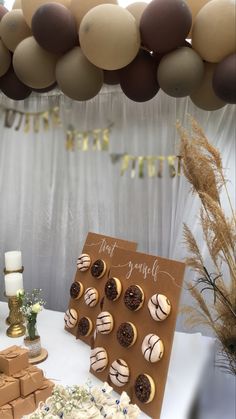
80 44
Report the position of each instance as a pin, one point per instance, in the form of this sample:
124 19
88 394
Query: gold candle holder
16 328
6 272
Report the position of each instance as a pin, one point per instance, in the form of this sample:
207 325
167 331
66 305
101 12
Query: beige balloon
204 96
137 9
29 7
79 8
77 77
5 59
195 6
213 35
109 36
34 66
17 4
13 29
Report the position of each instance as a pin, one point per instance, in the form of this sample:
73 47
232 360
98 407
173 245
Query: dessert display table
68 361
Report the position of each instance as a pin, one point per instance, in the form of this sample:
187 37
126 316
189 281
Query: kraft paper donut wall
98 247
158 283
153 275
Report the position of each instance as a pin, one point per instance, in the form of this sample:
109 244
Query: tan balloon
17 4
136 9
77 77
109 36
29 7
204 96
79 8
5 59
195 6
34 66
13 29
213 34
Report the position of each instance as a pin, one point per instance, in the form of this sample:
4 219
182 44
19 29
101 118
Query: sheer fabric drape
51 197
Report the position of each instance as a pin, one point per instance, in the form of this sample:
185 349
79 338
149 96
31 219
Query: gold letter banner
27 120
95 140
150 166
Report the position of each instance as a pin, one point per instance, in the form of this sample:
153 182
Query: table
68 361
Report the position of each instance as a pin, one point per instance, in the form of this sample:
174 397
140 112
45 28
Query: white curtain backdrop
51 197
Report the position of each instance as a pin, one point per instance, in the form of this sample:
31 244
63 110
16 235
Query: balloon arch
80 44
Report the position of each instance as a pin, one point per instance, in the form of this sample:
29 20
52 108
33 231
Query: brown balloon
29 7
77 77
224 79
109 36
111 77
204 96
180 72
213 34
137 9
79 8
138 79
54 28
13 29
34 66
5 59
12 87
165 24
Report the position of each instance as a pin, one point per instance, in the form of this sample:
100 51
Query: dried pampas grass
214 290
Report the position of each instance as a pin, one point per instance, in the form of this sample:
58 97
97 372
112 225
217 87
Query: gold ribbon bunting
151 166
27 120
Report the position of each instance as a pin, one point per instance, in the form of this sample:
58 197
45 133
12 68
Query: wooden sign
148 357
98 247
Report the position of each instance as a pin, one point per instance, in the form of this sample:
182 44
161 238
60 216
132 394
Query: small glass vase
32 342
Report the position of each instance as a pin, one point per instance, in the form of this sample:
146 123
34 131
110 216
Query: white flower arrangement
85 402
31 304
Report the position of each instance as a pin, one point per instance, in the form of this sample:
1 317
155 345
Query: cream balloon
109 36
5 59
13 29
204 96
77 77
79 8
34 66
17 4
29 7
213 34
136 9
195 6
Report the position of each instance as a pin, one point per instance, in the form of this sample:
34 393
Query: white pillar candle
13 261
13 282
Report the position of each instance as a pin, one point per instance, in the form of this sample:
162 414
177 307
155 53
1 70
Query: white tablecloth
68 361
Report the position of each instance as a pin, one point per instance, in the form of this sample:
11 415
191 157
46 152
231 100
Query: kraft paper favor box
30 380
43 392
23 406
6 412
9 389
13 360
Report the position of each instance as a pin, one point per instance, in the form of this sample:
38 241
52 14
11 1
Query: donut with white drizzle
159 307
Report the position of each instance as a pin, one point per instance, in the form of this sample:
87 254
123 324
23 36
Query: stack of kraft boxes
22 386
